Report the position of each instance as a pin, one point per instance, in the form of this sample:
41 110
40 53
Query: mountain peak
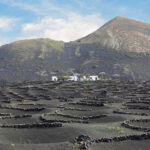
120 17
122 34
131 21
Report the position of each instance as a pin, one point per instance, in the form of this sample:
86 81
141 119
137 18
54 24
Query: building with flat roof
77 78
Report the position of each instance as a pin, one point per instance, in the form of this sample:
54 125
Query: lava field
101 115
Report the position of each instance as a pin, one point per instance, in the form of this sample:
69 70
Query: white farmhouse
83 78
94 78
76 78
54 78
73 78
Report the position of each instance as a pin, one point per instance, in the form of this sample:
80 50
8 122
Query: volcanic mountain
123 35
119 48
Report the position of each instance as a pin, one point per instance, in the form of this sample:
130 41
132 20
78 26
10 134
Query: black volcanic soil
52 116
126 145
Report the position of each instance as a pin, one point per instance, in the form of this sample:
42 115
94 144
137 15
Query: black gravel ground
107 115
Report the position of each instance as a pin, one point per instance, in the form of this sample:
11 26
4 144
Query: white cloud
6 23
70 28
4 40
1 43
39 7
67 27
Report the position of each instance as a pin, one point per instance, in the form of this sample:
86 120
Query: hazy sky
65 20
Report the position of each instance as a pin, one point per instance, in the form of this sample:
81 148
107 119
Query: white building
83 78
54 78
73 78
76 78
94 78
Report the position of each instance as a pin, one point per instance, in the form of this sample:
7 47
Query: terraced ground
107 115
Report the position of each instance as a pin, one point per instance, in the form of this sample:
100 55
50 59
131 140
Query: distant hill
30 59
121 46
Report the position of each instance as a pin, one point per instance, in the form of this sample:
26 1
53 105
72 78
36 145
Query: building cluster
76 78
